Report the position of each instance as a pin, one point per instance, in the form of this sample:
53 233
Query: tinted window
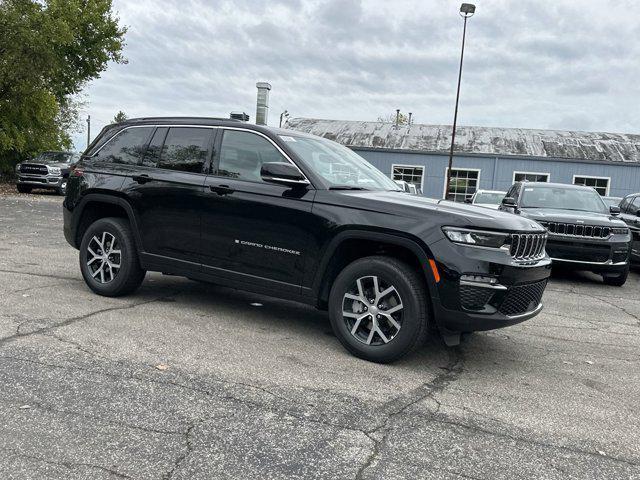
152 156
127 147
243 153
635 205
626 201
185 149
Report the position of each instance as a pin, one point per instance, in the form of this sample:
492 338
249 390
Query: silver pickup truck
48 170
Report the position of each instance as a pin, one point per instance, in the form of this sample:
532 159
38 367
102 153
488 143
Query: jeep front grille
575 230
528 246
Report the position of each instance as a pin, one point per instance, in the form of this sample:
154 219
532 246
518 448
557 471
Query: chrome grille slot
573 230
528 246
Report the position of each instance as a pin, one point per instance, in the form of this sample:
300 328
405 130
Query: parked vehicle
487 198
48 170
630 214
303 218
408 187
612 201
583 233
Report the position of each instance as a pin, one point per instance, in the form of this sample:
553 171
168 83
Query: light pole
466 11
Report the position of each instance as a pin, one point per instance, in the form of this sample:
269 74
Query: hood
452 213
571 216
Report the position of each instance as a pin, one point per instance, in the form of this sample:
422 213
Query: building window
530 177
463 185
413 174
601 184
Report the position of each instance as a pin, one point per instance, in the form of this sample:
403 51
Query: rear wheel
378 309
109 259
23 189
617 280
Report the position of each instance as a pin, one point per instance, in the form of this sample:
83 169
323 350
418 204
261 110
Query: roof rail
181 118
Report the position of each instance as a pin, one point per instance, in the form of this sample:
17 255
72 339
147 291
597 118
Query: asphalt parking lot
184 380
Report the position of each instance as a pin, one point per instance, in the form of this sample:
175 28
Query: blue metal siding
625 179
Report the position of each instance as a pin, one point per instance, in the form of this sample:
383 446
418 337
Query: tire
618 280
115 234
412 317
62 189
23 189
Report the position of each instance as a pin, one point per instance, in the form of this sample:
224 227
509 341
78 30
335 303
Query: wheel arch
94 206
351 245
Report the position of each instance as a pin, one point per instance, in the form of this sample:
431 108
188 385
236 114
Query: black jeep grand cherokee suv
299 217
583 233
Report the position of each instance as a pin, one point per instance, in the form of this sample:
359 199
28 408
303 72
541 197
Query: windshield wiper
346 187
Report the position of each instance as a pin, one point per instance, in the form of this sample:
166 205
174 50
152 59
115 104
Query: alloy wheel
372 311
106 257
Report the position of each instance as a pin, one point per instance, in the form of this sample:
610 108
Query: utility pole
466 10
88 130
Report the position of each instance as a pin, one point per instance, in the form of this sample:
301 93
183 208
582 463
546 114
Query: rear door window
126 148
185 149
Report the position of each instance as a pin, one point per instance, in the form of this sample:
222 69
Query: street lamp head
467 10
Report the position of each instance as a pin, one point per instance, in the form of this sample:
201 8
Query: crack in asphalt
49 408
446 420
43 275
451 373
22 290
72 320
67 465
188 450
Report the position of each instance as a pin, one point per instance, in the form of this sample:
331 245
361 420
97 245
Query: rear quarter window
126 147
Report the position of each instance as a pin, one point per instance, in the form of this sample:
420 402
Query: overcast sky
571 65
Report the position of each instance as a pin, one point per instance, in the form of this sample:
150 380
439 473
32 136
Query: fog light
479 279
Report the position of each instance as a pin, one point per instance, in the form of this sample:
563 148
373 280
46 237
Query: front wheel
617 280
378 308
62 189
109 259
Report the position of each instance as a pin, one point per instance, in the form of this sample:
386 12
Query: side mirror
509 202
614 210
468 200
638 213
283 173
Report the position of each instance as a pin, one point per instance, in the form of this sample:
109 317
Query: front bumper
595 255
485 289
40 181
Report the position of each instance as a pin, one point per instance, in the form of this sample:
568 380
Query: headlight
620 231
54 170
478 238
18 168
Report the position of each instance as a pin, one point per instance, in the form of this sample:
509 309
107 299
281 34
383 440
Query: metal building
488 158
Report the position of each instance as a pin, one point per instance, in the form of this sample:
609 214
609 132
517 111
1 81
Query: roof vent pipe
262 109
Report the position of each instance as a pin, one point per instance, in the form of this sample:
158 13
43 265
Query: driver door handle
221 189
144 178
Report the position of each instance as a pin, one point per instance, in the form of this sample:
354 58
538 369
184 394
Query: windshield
492 198
583 200
54 157
338 165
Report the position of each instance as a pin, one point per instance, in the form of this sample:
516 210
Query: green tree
49 50
401 118
120 117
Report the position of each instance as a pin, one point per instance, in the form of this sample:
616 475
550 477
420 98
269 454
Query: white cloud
531 63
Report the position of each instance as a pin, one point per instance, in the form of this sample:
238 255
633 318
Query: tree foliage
120 117
401 118
49 50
